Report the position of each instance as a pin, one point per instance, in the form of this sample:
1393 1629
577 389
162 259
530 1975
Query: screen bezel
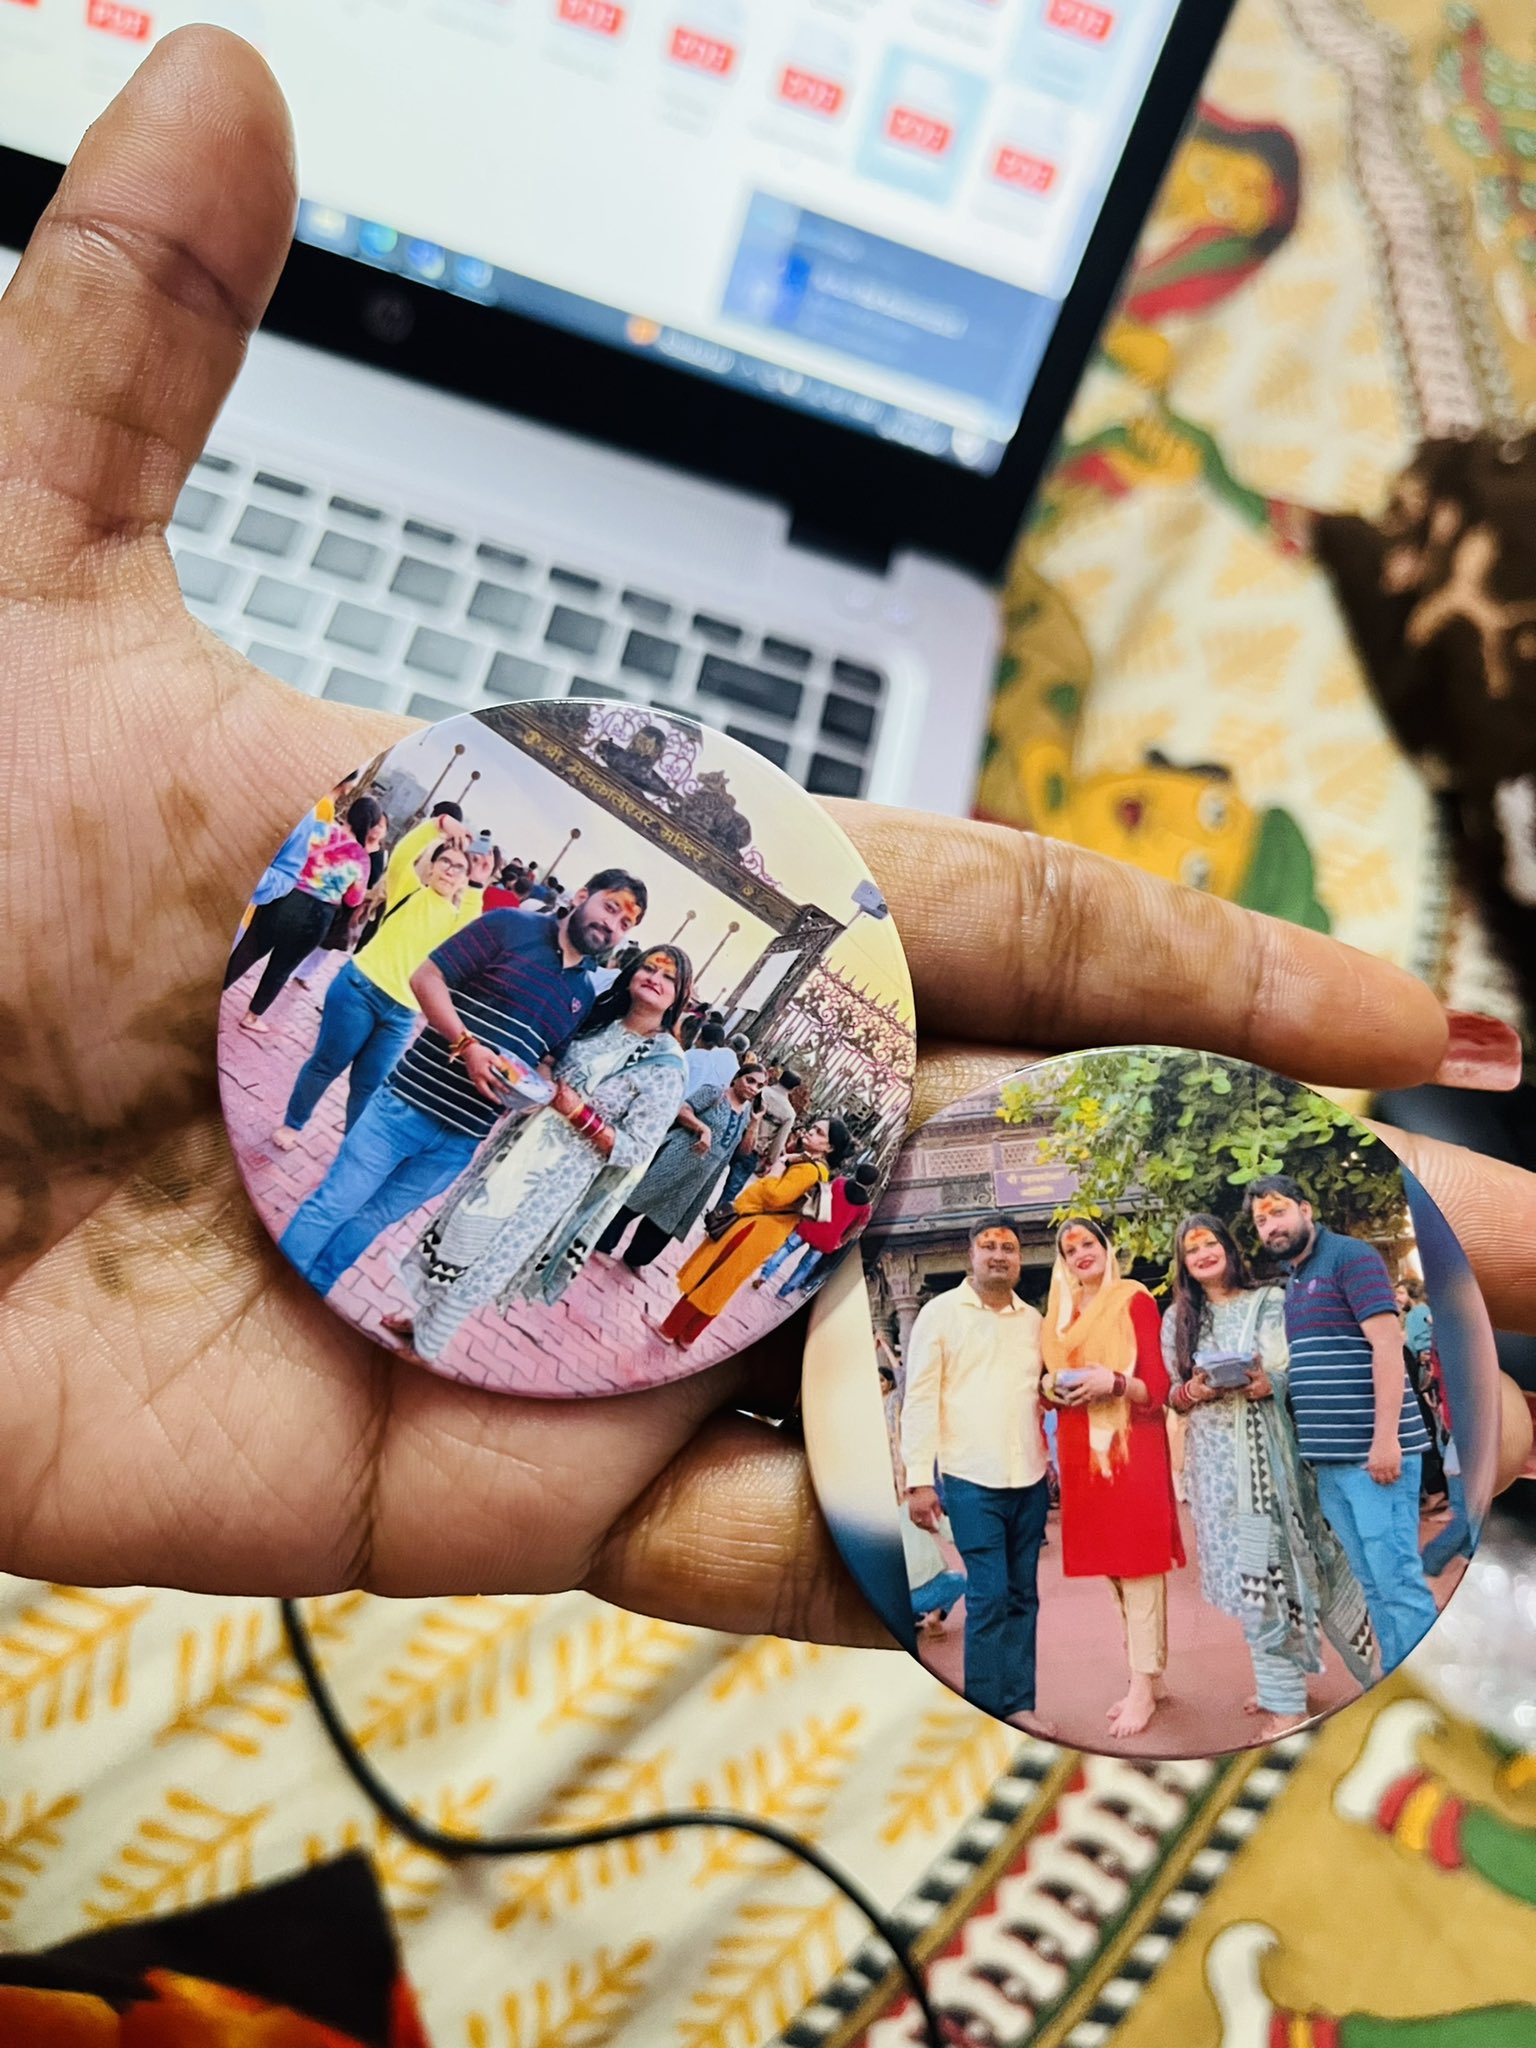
847 491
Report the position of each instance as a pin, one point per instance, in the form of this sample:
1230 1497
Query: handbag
718 1221
815 1205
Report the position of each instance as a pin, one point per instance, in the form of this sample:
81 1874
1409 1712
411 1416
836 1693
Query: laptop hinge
863 553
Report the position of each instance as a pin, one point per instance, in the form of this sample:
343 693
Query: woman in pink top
283 933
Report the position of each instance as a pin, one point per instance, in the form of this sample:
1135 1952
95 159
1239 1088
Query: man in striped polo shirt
1357 1421
512 983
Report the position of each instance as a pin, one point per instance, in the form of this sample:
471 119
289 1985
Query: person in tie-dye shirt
335 871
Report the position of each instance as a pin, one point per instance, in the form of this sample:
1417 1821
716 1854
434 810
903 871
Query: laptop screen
868 210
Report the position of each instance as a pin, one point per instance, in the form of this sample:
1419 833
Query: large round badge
563 1045
1156 1410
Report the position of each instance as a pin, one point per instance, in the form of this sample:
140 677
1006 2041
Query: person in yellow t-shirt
370 1010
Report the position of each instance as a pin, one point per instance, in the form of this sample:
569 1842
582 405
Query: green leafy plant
1152 1133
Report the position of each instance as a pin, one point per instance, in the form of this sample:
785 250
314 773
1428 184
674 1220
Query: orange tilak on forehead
626 905
1075 1240
1270 1205
660 963
1201 1241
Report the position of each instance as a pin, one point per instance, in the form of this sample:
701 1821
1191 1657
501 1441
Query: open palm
174 1405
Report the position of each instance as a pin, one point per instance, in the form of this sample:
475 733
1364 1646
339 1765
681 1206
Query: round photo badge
563 1046
1156 1410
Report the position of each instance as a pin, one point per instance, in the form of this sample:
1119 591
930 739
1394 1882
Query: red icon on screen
815 95
1025 172
909 129
702 52
131 23
602 17
1080 18
26 3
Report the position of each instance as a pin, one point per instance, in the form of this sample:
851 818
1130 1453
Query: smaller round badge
1157 1411
563 1045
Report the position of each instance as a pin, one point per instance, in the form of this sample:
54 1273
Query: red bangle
465 1038
1121 1383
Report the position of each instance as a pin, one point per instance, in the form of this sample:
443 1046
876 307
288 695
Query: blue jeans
1378 1527
392 1160
998 1532
1455 1539
800 1278
741 1171
361 1028
938 1594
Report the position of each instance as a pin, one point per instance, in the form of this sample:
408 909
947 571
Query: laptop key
219 464
346 686
831 777
439 654
356 561
202 580
776 751
196 510
512 677
753 687
266 533
355 508
581 632
493 604
654 610
283 663
352 625
422 582
499 557
788 653
433 709
577 581
846 718
854 675
721 631
583 686
419 529
646 655
285 484
279 604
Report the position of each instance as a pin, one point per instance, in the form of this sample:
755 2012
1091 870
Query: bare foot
656 1330
1032 1723
254 1025
1159 1688
1271 1727
760 1281
283 1139
403 1327
1251 1704
1133 1713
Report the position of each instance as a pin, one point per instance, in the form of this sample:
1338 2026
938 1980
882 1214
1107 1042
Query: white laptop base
368 539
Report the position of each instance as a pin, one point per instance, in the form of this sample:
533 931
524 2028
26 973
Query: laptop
699 354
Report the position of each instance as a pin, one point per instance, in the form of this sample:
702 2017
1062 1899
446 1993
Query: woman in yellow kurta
769 1210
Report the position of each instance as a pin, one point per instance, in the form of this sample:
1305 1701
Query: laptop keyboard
365 604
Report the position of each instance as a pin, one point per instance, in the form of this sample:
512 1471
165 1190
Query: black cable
451 1847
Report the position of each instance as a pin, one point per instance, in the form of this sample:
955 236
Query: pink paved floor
594 1341
1082 1661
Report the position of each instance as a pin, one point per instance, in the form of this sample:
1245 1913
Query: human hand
147 1325
1199 1390
484 1075
1260 1386
923 1506
1385 1460
704 1142
565 1101
1095 1383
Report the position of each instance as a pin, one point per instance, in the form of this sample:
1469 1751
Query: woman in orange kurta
1102 1349
769 1210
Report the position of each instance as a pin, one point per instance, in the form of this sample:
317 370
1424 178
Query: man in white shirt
972 1410
711 1064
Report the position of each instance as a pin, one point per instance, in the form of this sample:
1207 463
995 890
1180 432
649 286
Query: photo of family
565 1047
1167 1407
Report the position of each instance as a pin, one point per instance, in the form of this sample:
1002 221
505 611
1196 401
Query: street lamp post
688 920
729 933
554 865
422 808
474 777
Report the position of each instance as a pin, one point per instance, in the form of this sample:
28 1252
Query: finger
1491 1206
730 1537
127 320
1020 939
1517 1435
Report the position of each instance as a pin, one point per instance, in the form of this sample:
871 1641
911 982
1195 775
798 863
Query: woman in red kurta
1102 1350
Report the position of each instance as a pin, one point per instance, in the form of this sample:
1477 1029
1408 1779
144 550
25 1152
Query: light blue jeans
800 1279
361 1028
1378 1527
392 1160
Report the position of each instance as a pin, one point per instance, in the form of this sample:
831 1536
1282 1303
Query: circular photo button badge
1156 1410
564 1046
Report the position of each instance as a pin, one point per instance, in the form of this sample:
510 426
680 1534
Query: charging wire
453 1848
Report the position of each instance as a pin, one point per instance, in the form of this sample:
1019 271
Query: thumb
124 327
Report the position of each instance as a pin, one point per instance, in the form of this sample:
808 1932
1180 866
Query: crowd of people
515 1049
1296 1405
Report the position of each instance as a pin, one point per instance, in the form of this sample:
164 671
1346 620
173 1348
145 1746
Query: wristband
1121 1383
464 1039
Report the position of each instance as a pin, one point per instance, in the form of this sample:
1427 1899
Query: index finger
1022 940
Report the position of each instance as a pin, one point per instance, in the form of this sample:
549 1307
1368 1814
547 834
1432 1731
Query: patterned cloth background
1344 260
